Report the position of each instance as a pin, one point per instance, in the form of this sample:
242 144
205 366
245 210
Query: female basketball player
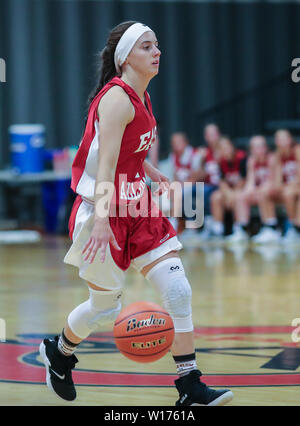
287 163
210 173
259 181
119 131
232 165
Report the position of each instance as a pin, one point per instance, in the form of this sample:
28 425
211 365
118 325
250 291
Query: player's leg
217 205
297 214
266 199
102 305
168 277
290 199
105 283
189 237
208 191
241 209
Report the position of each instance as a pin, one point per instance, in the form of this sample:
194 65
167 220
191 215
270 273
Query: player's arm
156 176
199 174
223 184
115 111
250 175
275 175
154 153
196 174
297 151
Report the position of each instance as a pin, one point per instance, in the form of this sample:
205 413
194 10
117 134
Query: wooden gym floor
244 301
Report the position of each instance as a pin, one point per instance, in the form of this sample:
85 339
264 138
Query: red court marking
291 344
204 331
243 339
260 329
13 370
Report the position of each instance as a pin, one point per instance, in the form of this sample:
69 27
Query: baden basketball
144 332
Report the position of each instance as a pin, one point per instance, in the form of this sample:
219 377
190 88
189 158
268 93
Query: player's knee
169 279
101 307
216 197
244 196
288 195
177 297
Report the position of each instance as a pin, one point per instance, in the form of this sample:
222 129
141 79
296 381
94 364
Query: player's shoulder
117 102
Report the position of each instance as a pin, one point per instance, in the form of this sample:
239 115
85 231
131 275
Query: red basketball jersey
261 171
136 235
289 167
231 170
183 165
139 135
211 167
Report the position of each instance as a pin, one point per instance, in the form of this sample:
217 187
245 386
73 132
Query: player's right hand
101 235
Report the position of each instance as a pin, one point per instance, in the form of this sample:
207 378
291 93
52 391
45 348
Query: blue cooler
27 147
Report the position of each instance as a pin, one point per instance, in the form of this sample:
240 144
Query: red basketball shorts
142 240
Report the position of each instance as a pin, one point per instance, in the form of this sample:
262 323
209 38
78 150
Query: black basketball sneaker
59 369
194 392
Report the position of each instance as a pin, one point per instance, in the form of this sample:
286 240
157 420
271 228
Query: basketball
144 332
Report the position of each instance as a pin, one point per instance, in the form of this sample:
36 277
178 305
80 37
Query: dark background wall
229 62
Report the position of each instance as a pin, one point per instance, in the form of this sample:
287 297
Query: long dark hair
107 64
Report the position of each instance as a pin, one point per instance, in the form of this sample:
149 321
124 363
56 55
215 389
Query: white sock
207 222
64 346
185 364
217 227
239 226
271 222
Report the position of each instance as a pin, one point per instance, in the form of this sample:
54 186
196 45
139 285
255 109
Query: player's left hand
159 178
163 186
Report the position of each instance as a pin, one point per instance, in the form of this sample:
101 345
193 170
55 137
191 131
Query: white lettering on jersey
132 190
261 174
147 140
212 169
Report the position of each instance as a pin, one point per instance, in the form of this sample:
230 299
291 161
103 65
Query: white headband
126 43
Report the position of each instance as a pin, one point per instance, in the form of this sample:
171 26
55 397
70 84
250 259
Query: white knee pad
100 308
169 279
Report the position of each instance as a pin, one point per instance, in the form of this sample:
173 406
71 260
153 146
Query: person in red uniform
186 162
286 184
114 222
232 168
210 172
260 172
